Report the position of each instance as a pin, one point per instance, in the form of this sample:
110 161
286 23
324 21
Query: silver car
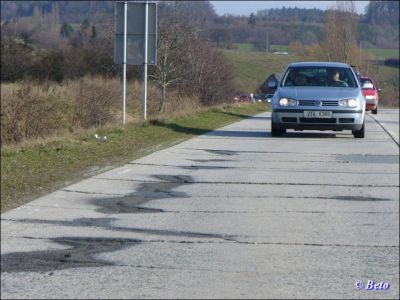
318 96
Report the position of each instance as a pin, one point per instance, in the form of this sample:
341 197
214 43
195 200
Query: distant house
264 89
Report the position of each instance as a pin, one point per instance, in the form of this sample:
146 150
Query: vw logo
318 103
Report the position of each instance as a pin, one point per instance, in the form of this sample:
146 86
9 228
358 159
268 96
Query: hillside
250 69
379 27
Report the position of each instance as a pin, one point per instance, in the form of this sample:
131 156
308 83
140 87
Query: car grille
289 120
314 103
318 120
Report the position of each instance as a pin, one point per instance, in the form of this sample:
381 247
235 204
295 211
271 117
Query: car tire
359 134
375 111
276 131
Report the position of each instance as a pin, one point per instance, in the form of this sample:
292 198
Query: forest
377 27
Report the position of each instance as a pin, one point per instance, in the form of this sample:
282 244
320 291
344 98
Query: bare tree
347 27
169 43
340 32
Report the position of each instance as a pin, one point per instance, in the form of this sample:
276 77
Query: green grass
383 54
251 68
379 53
250 47
244 46
30 171
280 48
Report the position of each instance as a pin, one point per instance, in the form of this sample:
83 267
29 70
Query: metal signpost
135 41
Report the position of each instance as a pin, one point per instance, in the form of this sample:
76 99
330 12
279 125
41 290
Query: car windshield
319 76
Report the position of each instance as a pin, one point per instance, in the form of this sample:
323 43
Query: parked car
318 96
245 98
371 94
263 97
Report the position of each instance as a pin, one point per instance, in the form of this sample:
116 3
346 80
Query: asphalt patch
81 254
192 167
360 198
106 223
146 192
369 158
209 160
222 152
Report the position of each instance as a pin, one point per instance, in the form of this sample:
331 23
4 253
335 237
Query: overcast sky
248 7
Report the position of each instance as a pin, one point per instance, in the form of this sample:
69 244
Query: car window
319 76
367 84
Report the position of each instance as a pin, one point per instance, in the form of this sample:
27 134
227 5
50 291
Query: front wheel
375 111
359 134
276 131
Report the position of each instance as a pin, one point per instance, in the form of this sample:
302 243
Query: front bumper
341 120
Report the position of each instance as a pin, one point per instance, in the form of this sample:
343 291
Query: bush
29 112
16 59
95 100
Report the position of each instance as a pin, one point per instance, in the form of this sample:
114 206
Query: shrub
29 112
95 100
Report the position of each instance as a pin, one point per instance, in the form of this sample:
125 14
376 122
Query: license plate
317 114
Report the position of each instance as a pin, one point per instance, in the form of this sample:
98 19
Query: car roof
365 77
319 64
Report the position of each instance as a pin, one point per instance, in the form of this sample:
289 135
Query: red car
371 94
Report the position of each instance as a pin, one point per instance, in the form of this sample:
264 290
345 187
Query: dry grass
33 111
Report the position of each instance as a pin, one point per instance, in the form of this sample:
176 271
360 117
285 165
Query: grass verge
38 168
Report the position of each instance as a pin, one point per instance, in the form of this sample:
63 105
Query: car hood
318 93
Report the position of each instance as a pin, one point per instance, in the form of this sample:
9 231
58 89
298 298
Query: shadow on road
201 131
241 133
238 134
302 135
246 116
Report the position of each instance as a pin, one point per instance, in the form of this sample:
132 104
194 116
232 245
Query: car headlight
287 102
353 102
370 97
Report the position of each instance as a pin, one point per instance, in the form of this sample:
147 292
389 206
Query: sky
248 7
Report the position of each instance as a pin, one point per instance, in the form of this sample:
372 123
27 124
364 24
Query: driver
334 79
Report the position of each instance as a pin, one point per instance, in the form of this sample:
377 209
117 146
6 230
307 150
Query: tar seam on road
384 129
230 241
251 183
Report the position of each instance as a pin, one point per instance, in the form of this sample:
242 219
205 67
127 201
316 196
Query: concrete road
231 214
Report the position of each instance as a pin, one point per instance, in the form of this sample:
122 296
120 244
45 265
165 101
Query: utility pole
146 32
267 43
124 61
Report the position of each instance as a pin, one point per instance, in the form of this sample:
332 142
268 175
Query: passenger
301 80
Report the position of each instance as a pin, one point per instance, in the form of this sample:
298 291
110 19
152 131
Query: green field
383 54
251 68
379 53
250 47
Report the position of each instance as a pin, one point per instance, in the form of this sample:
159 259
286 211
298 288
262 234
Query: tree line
377 27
